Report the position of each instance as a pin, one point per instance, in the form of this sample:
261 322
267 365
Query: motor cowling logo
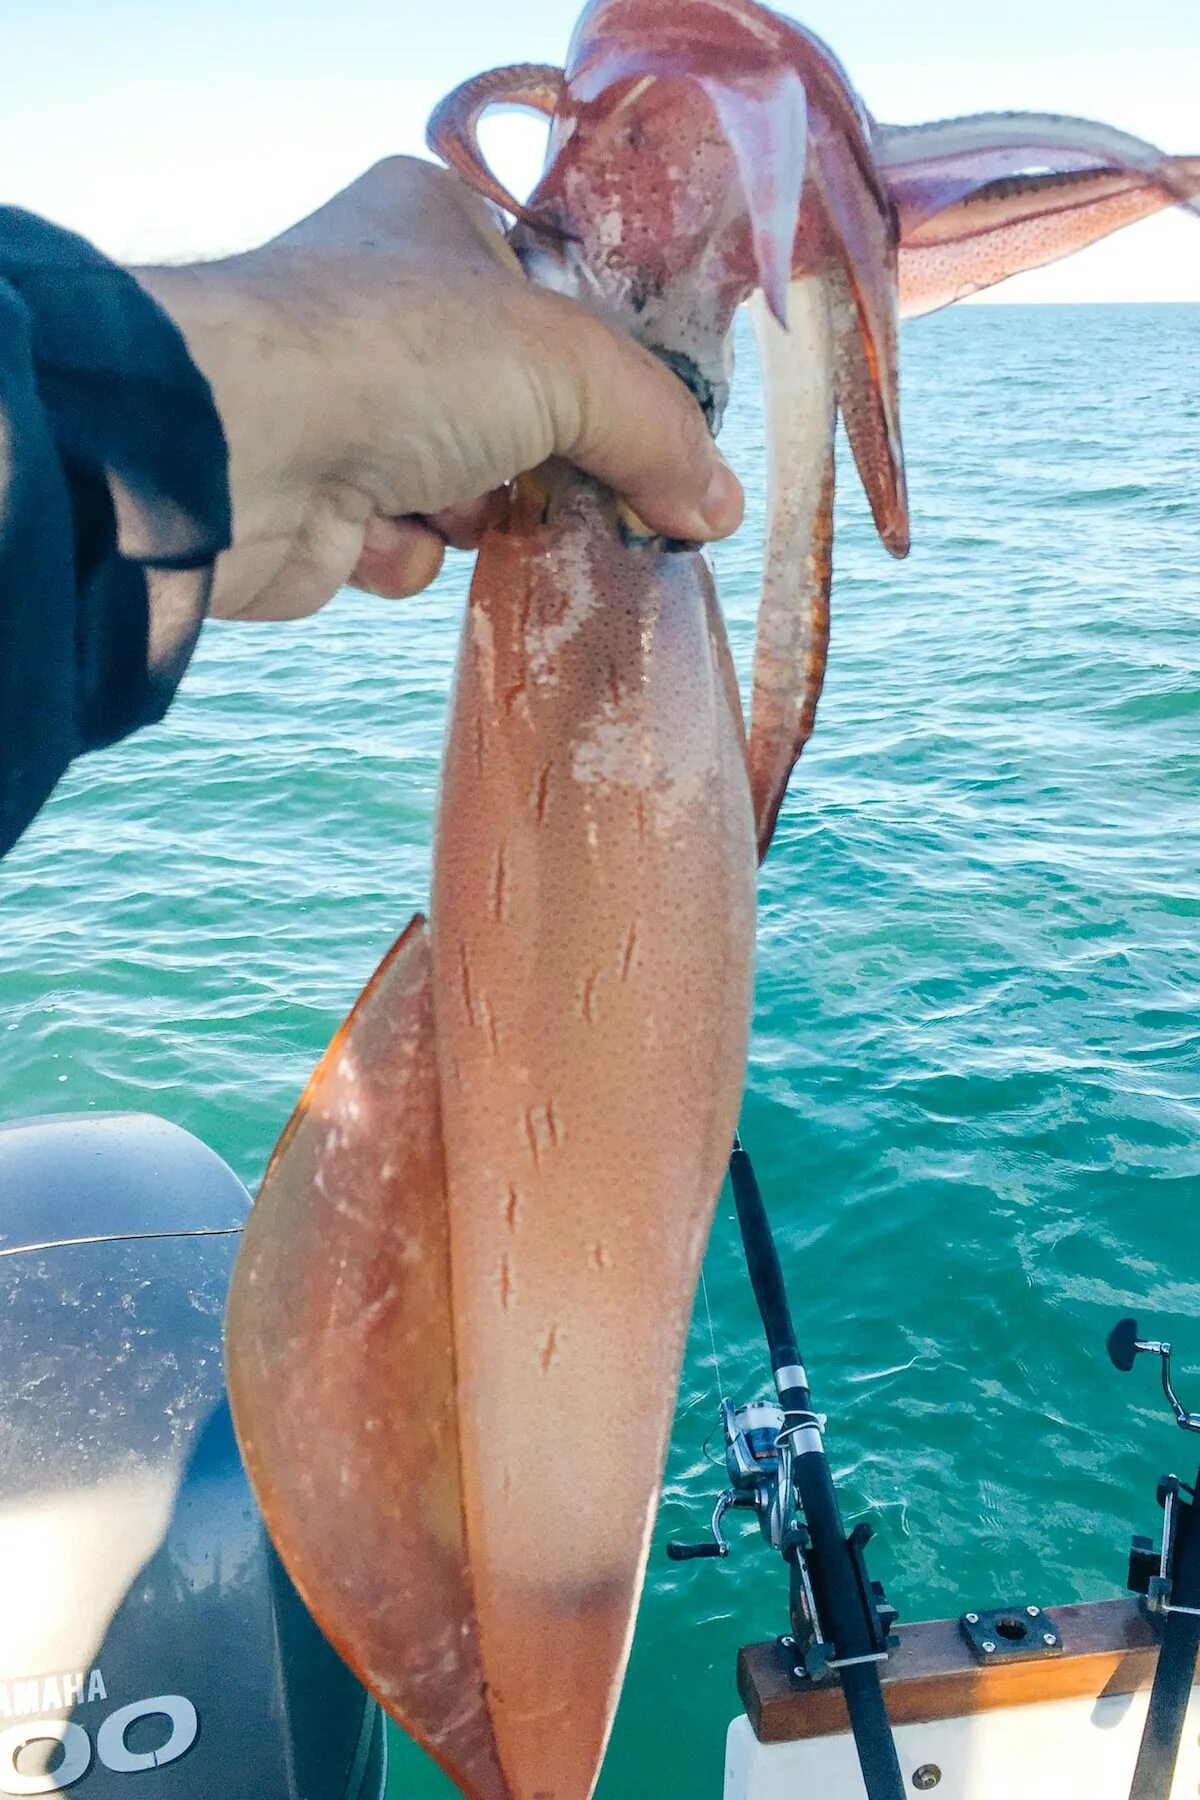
69 1748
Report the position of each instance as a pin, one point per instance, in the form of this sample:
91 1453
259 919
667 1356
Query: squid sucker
458 1315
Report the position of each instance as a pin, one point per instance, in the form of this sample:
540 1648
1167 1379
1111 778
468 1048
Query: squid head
698 157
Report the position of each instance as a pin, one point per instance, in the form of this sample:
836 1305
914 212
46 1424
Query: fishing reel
758 1479
1167 1576
1154 1569
760 1463
841 1623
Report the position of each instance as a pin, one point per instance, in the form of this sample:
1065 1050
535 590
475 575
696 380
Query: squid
458 1315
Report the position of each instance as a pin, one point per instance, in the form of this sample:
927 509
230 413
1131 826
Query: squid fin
793 619
339 1338
453 129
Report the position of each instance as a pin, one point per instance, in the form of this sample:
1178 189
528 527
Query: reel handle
1122 1345
1125 1346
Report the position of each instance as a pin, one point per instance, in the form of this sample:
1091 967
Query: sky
166 130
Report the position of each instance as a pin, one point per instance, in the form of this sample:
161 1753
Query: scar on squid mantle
468 1275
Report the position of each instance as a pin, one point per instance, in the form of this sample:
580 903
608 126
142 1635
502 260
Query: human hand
384 367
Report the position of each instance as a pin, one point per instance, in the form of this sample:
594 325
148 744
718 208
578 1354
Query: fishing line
712 1336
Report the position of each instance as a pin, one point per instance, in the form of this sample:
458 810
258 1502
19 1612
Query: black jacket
114 502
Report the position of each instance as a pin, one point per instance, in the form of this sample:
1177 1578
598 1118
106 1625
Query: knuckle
609 403
417 169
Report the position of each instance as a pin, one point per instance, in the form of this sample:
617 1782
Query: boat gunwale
1109 1647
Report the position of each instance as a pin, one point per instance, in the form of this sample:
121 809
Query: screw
787 1643
798 1673
1049 1639
1033 1611
926 1777
972 1618
988 1647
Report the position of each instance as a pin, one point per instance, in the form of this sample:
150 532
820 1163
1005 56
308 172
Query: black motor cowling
146 1625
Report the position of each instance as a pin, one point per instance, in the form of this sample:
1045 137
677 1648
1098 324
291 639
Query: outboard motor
146 1625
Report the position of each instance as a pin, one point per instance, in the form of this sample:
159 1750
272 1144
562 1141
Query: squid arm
861 233
762 110
983 198
453 129
839 351
977 200
1019 223
793 621
857 223
765 123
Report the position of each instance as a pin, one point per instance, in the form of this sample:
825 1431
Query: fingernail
721 508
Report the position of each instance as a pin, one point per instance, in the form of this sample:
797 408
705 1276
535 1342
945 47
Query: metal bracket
810 1653
1152 1572
1007 1634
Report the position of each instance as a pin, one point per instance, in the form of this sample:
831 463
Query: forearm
113 505
258 336
384 369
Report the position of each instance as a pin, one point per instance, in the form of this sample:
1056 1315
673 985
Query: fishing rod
775 1456
1168 1577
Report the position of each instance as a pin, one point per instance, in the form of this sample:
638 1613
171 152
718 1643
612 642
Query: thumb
619 413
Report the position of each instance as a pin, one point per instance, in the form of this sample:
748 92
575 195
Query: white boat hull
1077 1749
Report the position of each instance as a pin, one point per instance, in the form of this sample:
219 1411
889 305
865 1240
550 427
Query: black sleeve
114 502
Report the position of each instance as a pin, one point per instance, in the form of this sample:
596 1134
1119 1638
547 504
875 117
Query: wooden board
1108 1648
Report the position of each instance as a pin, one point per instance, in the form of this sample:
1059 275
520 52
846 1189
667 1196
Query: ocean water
974 1094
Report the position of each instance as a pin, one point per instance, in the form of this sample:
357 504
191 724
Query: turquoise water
975 1091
